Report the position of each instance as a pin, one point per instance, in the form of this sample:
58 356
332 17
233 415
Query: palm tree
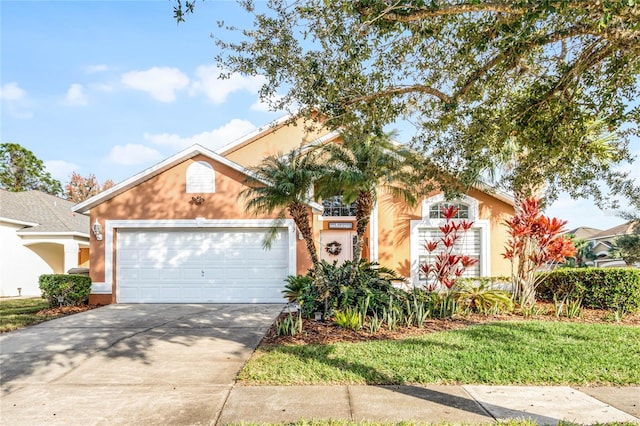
356 168
282 184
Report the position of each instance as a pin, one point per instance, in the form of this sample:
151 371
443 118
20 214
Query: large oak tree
470 75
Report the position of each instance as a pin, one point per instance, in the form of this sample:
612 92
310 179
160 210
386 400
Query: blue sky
112 87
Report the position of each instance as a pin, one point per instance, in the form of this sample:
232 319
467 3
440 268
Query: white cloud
213 139
160 82
60 169
15 100
217 89
76 95
133 154
92 69
12 92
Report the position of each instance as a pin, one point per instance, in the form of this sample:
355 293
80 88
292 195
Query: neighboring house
39 234
603 243
177 232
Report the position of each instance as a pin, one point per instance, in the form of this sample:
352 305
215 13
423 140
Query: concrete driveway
129 364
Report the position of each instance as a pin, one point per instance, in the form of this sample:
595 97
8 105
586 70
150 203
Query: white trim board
111 226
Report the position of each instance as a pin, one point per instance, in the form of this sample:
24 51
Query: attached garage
202 265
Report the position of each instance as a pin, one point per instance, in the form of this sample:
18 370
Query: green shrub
600 288
480 296
289 325
296 285
74 289
350 285
350 319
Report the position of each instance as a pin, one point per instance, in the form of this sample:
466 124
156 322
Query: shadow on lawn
325 354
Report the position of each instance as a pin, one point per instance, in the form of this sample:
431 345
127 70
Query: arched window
436 211
201 178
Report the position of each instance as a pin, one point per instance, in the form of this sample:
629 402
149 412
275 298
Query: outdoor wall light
97 230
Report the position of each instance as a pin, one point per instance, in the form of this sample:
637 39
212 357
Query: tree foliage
471 75
358 168
21 170
282 185
627 246
79 188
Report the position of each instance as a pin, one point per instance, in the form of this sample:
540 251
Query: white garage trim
112 225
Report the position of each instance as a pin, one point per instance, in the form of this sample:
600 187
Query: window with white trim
474 243
468 244
201 178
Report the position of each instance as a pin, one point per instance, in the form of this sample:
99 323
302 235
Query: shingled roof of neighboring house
585 232
625 228
42 213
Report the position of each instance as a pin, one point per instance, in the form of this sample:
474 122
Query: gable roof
160 167
625 228
584 232
41 213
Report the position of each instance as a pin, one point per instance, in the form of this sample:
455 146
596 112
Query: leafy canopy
79 188
470 75
21 170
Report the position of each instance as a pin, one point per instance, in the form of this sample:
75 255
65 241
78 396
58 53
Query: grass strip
499 353
19 313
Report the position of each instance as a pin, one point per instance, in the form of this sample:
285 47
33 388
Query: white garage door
200 266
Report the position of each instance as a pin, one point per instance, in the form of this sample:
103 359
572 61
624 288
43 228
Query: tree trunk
364 206
300 215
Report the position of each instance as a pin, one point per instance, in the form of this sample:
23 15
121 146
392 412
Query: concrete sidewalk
468 404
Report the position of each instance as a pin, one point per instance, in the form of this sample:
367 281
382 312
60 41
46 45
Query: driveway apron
129 364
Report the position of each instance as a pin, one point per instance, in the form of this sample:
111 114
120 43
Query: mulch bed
328 332
66 310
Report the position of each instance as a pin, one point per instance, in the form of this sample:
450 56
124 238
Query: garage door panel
208 265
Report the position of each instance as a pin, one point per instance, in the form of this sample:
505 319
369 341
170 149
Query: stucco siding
20 267
276 141
394 231
164 197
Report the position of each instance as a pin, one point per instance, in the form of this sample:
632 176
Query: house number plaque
340 225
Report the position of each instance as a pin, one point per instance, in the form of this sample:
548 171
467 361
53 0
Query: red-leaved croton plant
446 265
536 243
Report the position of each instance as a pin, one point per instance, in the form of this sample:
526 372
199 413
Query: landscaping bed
315 332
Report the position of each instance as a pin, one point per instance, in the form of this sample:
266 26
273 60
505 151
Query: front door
336 245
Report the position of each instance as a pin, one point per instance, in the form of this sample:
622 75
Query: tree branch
396 91
422 13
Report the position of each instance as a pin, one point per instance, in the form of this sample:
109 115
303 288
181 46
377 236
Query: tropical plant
584 252
289 325
445 266
282 184
296 285
21 170
482 297
349 318
352 285
357 168
536 242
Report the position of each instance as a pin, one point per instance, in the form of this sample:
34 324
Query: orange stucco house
177 232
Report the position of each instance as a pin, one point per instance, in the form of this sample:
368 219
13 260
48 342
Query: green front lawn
19 313
526 352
